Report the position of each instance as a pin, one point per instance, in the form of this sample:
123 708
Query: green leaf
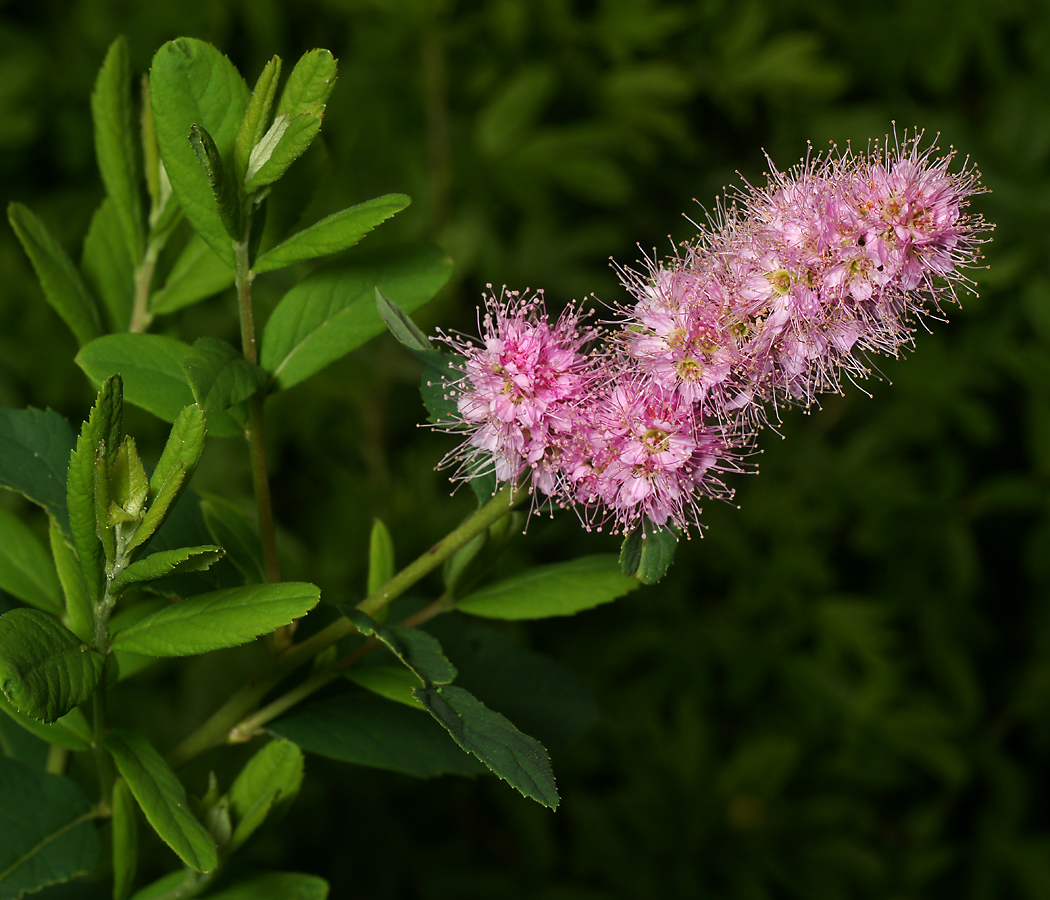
34 454
102 430
192 83
74 587
71 731
219 376
228 528
108 267
283 144
557 590
380 556
173 885
218 619
227 201
162 798
516 758
337 232
115 143
366 730
333 312
418 650
196 275
61 282
393 682
253 125
406 331
648 551
46 832
26 571
274 775
166 562
125 840
309 85
151 366
131 664
45 669
276 886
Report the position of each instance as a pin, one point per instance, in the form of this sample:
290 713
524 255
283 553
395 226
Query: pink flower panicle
785 295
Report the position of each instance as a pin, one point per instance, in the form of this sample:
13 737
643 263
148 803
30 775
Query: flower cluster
782 297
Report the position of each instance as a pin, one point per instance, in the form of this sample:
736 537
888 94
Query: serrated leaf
115 143
562 589
34 454
335 233
253 126
61 282
514 757
218 619
227 200
26 571
192 83
228 528
151 366
107 265
276 886
162 798
197 274
45 669
46 831
366 730
272 776
418 650
166 562
219 376
70 731
380 557
648 551
74 587
125 840
333 312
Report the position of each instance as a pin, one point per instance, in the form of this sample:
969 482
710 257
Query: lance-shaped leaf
556 590
516 758
125 840
648 551
272 776
196 275
162 798
115 143
337 232
45 669
70 731
407 332
418 650
227 202
177 463
219 376
380 556
34 454
61 282
166 562
309 85
108 267
253 126
102 431
26 571
228 528
74 586
393 682
276 886
192 83
334 312
46 831
366 730
218 619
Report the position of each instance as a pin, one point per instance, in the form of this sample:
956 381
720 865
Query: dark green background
843 690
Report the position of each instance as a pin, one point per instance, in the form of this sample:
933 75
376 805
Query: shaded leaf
70 731
418 650
108 267
276 886
125 840
380 557
401 326
74 588
648 551
229 528
219 376
227 201
393 682
26 571
197 274
34 454
274 775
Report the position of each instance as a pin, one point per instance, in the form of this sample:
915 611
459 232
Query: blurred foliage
843 690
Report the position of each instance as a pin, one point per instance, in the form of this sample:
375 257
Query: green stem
216 730
141 317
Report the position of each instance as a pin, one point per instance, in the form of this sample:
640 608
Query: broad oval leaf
162 798
197 274
276 886
26 570
192 83
45 669
219 376
337 232
556 590
272 776
46 831
366 730
34 454
219 619
151 366
333 312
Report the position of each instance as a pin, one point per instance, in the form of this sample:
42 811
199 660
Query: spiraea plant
633 424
